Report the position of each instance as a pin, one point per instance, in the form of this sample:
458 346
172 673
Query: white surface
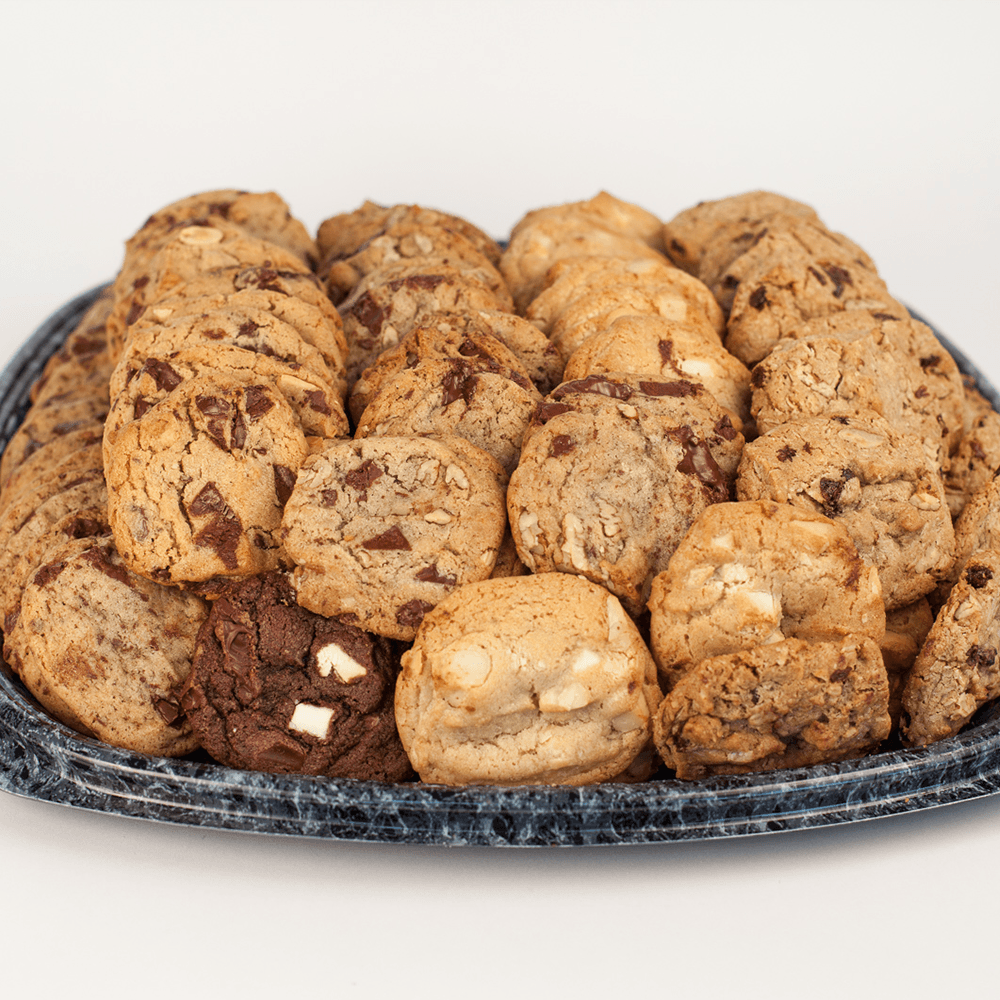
881 115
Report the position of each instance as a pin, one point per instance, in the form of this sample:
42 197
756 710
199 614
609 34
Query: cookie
906 631
687 234
756 572
789 704
569 279
442 335
386 306
978 526
871 479
423 246
246 320
598 309
667 349
840 377
103 649
956 671
345 234
197 482
526 680
613 471
137 384
274 687
45 517
773 302
730 258
475 399
976 460
385 527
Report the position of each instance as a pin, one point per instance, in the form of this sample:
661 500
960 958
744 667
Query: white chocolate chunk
331 658
584 660
311 719
565 699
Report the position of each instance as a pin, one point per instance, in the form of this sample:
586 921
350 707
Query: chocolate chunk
840 278
425 282
678 389
831 490
99 558
329 497
280 756
546 411
363 477
284 483
562 444
459 383
47 573
134 313
411 614
170 711
595 384
698 461
391 539
786 454
318 401
758 298
368 313
165 377
430 574
256 401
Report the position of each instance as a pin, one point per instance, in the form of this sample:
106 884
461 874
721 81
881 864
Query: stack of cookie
645 430
100 647
443 381
230 360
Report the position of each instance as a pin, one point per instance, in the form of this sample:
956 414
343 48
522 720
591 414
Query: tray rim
42 759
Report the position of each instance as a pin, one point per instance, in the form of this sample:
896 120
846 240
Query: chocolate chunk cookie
197 483
526 680
274 687
385 527
103 649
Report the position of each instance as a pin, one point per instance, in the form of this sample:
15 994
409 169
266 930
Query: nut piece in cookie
957 670
789 704
757 572
385 527
274 687
526 680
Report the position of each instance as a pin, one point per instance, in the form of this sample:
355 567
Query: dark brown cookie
274 687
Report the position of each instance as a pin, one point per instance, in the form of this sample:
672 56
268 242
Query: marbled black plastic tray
41 759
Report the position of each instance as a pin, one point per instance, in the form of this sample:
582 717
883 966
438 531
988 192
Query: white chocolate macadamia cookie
526 680
757 572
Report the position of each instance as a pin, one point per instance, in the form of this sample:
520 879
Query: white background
882 115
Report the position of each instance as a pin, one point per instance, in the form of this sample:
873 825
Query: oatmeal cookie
789 704
956 671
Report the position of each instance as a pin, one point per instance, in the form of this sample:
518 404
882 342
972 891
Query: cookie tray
42 759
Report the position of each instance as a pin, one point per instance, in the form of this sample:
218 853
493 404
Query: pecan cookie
475 399
526 680
788 704
614 468
274 687
197 482
385 527
870 478
756 572
103 649
956 671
